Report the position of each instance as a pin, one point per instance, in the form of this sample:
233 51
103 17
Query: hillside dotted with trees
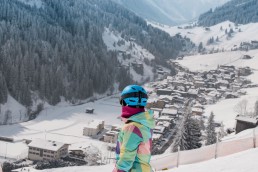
56 50
237 11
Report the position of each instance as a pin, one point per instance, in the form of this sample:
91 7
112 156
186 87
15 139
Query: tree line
237 11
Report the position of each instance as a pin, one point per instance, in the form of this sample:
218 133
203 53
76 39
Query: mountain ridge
237 11
169 12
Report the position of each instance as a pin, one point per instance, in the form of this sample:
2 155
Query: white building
156 137
47 150
159 129
166 118
170 112
111 136
94 127
165 124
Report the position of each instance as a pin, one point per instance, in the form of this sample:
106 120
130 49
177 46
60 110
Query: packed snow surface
62 123
240 162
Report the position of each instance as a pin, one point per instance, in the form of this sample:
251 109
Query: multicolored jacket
133 150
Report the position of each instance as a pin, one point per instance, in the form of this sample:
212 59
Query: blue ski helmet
134 95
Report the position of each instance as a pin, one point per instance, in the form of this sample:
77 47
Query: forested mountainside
56 49
237 11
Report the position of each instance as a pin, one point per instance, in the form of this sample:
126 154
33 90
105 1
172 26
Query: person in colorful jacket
133 150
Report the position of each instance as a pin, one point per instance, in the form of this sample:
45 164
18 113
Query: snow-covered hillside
115 42
170 12
12 112
200 34
224 110
63 123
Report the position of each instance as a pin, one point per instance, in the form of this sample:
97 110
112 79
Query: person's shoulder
133 127
132 124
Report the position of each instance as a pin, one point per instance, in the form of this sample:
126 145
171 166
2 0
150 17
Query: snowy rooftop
198 105
165 118
166 97
95 124
112 133
169 111
156 136
193 91
247 119
159 129
156 109
195 109
164 123
46 144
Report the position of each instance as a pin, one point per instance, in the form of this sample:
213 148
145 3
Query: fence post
216 147
178 157
254 138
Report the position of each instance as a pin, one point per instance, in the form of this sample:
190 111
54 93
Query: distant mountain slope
219 33
237 11
170 12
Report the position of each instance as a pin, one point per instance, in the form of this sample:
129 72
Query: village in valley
173 96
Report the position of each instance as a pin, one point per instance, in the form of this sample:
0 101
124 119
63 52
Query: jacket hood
144 118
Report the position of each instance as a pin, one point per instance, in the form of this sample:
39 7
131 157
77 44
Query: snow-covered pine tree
92 155
202 124
194 134
211 136
189 134
3 89
256 109
200 47
181 137
222 133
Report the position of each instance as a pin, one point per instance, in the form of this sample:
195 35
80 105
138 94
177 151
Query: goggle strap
139 95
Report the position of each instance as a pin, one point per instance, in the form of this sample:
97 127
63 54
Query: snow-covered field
224 109
199 34
63 123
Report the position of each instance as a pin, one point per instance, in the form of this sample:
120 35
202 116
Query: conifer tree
256 109
189 134
211 136
3 90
